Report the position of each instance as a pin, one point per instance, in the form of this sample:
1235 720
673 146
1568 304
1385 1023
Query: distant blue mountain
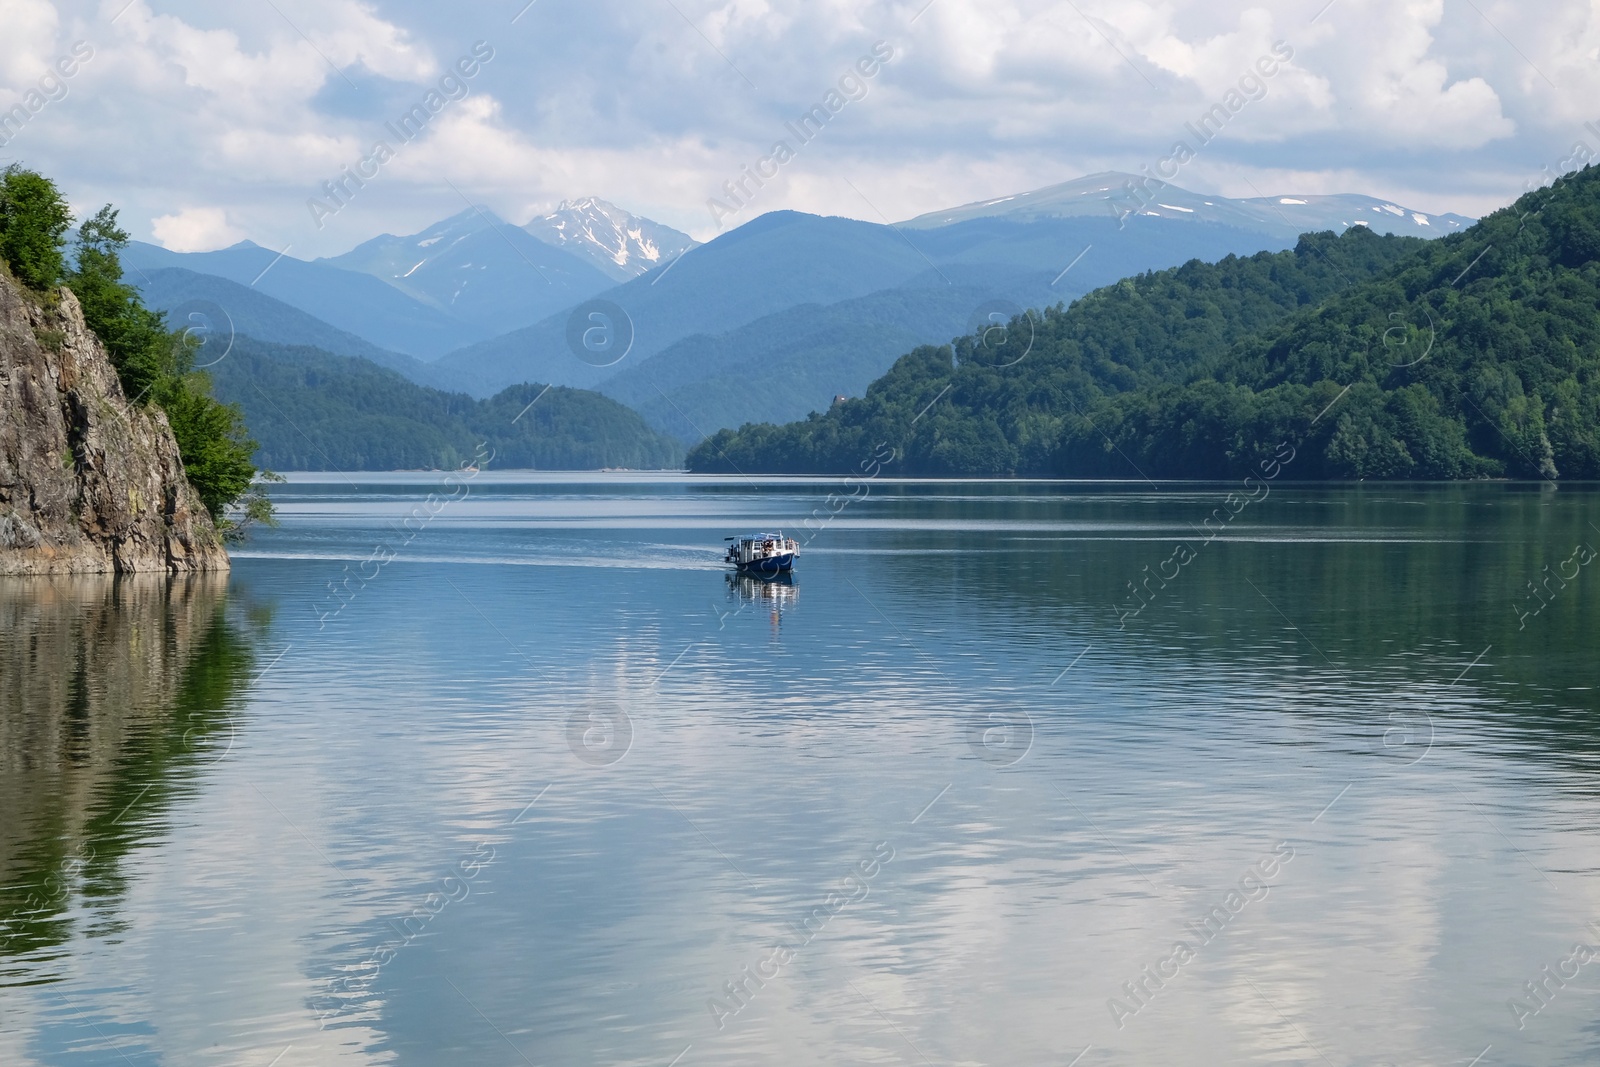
786 259
807 355
192 302
311 410
1114 195
354 302
480 270
767 321
618 243
771 263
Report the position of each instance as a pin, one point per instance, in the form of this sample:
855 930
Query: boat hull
779 564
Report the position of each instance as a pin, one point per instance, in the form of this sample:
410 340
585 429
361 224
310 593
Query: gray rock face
88 482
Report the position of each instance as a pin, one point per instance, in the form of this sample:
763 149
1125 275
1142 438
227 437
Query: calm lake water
1007 776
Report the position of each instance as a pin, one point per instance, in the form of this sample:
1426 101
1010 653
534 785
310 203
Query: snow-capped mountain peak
621 244
1130 198
477 268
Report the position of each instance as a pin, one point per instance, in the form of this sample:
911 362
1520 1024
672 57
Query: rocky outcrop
88 482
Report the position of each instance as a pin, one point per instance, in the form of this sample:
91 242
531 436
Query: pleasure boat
763 553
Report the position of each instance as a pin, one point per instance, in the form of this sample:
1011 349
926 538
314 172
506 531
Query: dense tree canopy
34 219
155 365
313 410
1473 355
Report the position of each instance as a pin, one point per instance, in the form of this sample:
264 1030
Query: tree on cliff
155 365
33 227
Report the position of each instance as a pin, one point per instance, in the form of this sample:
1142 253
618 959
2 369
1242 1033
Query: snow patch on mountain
621 244
1114 196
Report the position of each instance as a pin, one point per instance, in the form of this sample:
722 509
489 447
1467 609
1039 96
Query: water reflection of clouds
428 717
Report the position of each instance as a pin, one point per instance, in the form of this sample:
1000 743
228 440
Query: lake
507 769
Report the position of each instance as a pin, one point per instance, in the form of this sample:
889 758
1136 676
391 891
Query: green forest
1470 356
155 364
305 408
312 410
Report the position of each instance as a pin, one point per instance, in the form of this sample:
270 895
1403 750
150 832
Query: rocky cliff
88 482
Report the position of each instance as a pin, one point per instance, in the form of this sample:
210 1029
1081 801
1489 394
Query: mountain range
357 303
619 244
479 270
1117 195
766 322
1364 356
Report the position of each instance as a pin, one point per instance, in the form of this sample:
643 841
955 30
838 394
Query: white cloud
249 111
1560 62
278 82
196 229
1393 84
28 42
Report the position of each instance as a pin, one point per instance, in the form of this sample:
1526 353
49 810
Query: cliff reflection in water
112 693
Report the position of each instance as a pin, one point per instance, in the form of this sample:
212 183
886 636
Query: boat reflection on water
774 594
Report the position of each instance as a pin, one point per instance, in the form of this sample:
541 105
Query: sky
210 123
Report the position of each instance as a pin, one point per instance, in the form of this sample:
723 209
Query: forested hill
1007 394
312 410
1474 355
